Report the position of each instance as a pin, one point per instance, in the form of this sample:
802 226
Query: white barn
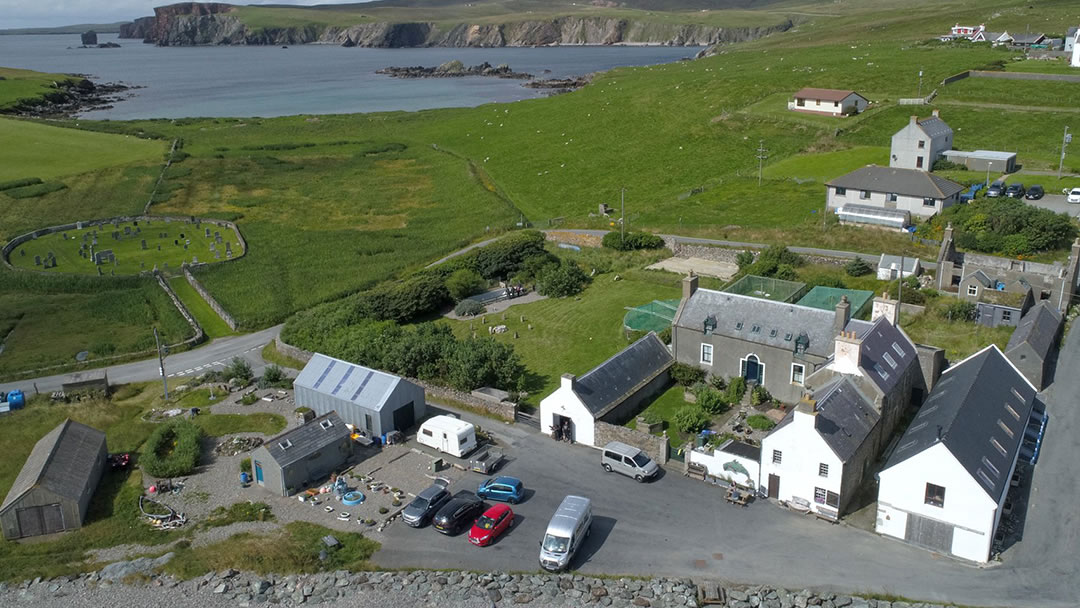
944 486
370 400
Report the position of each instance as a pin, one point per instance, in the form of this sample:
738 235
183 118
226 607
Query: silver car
420 511
626 459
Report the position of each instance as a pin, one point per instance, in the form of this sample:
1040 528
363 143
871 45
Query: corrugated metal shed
343 380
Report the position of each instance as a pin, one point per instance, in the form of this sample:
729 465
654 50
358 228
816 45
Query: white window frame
777 457
973 291
802 373
761 366
823 469
706 359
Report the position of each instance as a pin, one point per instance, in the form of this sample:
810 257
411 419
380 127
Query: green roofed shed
826 298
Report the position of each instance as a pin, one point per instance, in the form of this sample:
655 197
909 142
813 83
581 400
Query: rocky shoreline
455 69
71 98
134 583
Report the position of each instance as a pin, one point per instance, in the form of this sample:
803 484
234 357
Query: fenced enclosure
767 288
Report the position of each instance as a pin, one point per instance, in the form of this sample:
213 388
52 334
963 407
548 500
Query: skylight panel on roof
881 371
324 374
286 444
1009 408
888 359
926 411
985 479
997 446
787 337
772 333
755 329
899 351
990 465
1007 430
738 326
918 427
907 445
1018 395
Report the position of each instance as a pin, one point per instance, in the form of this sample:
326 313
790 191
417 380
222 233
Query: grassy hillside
16 84
49 152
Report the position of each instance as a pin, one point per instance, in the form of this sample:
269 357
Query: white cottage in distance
831 102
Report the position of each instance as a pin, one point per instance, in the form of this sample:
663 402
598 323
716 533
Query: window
973 290
922 144
286 444
326 424
841 192
738 326
777 457
706 354
772 333
823 470
1007 430
1012 411
865 194
918 163
819 495
1006 315
898 350
935 495
367 422
891 197
800 102
997 446
755 329
929 202
824 497
427 432
888 359
798 373
836 104
881 371
787 337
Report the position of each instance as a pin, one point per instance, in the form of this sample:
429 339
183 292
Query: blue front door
258 473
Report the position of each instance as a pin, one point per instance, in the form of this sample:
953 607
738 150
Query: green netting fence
654 316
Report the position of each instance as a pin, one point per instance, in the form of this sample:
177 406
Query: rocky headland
455 69
70 98
201 23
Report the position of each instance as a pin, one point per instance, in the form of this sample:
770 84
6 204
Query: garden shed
95 381
52 491
302 456
373 401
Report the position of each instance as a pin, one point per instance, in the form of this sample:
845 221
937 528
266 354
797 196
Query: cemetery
116 248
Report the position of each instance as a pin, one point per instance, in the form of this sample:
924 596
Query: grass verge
271 354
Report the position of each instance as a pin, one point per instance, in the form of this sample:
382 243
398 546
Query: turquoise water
308 79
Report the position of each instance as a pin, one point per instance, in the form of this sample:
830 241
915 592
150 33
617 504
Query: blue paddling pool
352 498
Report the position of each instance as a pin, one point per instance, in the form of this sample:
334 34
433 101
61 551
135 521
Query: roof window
899 351
772 333
997 446
989 465
325 424
1007 430
881 371
285 444
756 329
888 359
1012 411
787 337
738 326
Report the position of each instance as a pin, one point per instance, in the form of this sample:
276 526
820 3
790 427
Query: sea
178 82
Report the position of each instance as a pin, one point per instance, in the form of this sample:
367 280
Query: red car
491 524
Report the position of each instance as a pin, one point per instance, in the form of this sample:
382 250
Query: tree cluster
172 450
1006 226
776 261
631 241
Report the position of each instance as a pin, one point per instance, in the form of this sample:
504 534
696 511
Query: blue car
506 489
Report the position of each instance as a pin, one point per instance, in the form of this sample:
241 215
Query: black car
425 505
1034 193
996 189
459 513
1015 190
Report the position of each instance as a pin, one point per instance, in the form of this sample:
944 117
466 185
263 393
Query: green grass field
828 165
213 325
168 245
48 152
25 84
1057 66
1019 92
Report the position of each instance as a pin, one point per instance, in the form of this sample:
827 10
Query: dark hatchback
459 513
1034 193
424 506
1015 190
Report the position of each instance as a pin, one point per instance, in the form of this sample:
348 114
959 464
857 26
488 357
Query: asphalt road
1057 204
215 354
679 527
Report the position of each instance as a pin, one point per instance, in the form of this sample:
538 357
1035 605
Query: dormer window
710 324
738 326
802 343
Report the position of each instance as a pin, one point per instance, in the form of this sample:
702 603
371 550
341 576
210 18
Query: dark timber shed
53 490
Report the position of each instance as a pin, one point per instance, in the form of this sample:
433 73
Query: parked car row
450 514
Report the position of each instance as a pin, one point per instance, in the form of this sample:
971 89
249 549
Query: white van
448 434
565 533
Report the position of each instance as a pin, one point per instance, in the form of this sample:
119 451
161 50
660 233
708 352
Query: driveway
1057 204
679 527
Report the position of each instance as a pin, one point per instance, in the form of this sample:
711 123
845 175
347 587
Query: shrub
665 335
685 374
775 259
650 417
786 272
631 241
710 399
249 398
35 190
718 382
19 183
172 450
759 395
857 267
402 301
943 164
239 368
759 422
274 376
736 389
464 282
468 308
565 279
959 310
744 259
690 419
245 465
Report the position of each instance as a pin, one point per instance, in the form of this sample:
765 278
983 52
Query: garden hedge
172 450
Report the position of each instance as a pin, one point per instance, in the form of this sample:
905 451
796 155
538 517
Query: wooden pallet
710 593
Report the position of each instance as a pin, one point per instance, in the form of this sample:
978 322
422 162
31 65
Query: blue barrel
16 399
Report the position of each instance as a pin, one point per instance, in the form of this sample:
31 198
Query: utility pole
1064 142
988 165
161 364
900 292
762 154
622 220
920 84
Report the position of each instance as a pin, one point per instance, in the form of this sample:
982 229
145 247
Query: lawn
212 323
664 407
167 246
16 84
1048 93
825 166
271 354
50 152
217 425
1040 66
958 338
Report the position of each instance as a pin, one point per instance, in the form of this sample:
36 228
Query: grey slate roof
61 462
906 182
745 450
968 411
885 354
361 385
934 127
609 383
844 418
306 439
788 321
1027 38
1038 329
886 261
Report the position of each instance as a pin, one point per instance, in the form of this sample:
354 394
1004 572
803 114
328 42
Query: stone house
915 191
920 143
1033 346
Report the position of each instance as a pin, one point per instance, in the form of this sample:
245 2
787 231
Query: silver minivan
566 532
628 460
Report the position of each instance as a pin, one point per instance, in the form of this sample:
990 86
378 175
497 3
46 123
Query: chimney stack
568 381
936 114
805 411
914 120
689 285
846 353
843 315
884 306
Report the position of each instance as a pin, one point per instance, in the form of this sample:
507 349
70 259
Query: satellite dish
82 356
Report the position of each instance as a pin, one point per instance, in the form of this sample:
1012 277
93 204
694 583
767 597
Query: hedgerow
172 450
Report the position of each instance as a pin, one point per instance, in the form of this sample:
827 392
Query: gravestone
218 240
217 255
65 236
127 230
116 235
159 247
22 252
103 256
37 260
94 242
135 223
176 242
185 246
187 241
51 255
142 265
228 248
207 233
194 259
217 234
138 230
78 225
144 243
99 272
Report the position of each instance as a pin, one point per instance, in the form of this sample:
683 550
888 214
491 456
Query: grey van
566 532
628 460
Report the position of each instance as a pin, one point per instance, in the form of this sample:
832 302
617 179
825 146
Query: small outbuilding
303 456
1033 346
373 401
983 160
889 267
92 382
53 490
611 392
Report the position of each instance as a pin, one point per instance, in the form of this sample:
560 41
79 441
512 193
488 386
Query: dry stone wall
656 446
205 295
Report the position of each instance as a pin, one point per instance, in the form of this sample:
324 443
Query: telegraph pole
622 220
161 364
920 84
762 154
1064 142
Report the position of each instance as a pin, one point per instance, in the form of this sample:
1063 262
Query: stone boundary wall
10 246
656 446
727 254
504 410
161 177
217 308
1011 76
199 333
